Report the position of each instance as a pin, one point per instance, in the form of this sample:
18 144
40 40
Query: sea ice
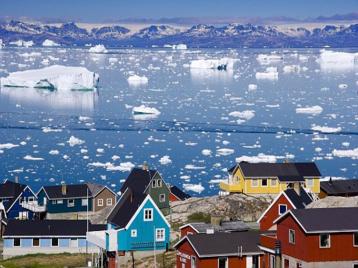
206 152
215 64
353 153
252 87
197 188
22 43
342 86
180 47
52 78
247 114
325 129
224 151
314 110
136 80
32 158
165 160
260 158
270 74
267 59
145 110
8 146
50 43
98 49
335 60
291 69
73 141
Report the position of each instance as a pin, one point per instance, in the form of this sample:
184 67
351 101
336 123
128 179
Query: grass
199 217
45 261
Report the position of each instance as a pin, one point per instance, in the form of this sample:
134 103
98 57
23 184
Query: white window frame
193 262
70 204
161 233
311 184
109 202
273 184
355 234
162 198
279 208
159 183
60 201
151 214
256 181
226 261
31 199
263 184
58 242
13 243
84 202
291 231
134 233
100 202
33 242
154 184
329 241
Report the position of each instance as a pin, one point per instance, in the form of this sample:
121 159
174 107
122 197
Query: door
249 262
286 263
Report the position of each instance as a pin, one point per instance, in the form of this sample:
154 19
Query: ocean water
196 137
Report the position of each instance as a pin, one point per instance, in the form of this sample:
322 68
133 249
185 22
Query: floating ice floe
54 152
291 69
2 45
165 160
98 49
206 152
50 43
180 47
145 110
214 64
268 58
252 86
325 129
197 188
22 43
353 153
73 141
246 115
224 151
32 158
136 80
270 74
336 60
125 166
260 158
314 110
48 130
55 77
342 86
193 167
8 146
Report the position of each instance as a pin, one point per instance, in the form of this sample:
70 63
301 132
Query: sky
107 10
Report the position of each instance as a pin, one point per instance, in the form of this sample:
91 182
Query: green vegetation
199 217
46 261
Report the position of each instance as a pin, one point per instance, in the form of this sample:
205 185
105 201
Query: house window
23 215
193 262
100 202
355 265
162 198
355 239
153 184
134 233
160 234
30 199
54 202
159 183
273 182
36 242
254 183
264 182
291 236
298 265
309 182
54 242
60 201
17 242
73 243
148 214
70 203
324 241
109 202
282 208
222 263
84 202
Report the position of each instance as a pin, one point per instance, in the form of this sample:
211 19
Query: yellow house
271 178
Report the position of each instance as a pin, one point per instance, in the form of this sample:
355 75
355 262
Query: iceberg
270 74
49 43
98 49
335 60
267 59
22 43
1 44
145 110
215 64
52 78
314 110
136 80
180 47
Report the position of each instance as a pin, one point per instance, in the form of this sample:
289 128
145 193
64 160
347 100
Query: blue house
23 237
18 200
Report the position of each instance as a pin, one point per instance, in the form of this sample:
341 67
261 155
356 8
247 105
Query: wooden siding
155 192
188 229
16 208
104 195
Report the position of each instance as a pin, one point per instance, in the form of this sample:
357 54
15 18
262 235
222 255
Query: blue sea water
195 108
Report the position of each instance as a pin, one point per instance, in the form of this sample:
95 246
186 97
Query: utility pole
87 230
155 257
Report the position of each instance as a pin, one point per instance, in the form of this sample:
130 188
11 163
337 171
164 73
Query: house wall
293 262
13 213
188 229
306 247
267 221
62 208
173 198
45 247
155 192
104 195
145 232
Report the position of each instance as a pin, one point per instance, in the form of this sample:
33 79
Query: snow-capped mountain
201 35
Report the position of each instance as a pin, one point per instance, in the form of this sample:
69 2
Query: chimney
297 188
64 189
215 220
145 166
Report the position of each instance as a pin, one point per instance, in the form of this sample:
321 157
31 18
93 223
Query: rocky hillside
335 201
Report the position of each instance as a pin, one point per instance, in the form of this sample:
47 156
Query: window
23 215
84 202
291 236
193 261
148 214
254 183
134 233
153 184
54 242
73 243
309 182
222 263
160 234
54 202
162 198
36 242
30 199
17 242
282 208
109 202
264 182
355 239
159 183
355 265
324 241
100 202
273 182
70 203
298 265
60 201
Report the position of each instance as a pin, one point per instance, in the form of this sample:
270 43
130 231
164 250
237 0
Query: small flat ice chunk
73 141
268 58
206 152
50 43
32 158
225 151
252 87
291 69
270 74
8 146
136 80
22 43
165 160
314 110
247 114
98 49
180 47
353 153
215 64
260 158
55 77
325 129
145 110
197 188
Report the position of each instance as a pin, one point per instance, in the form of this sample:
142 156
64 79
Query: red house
286 200
177 195
223 226
319 237
219 250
